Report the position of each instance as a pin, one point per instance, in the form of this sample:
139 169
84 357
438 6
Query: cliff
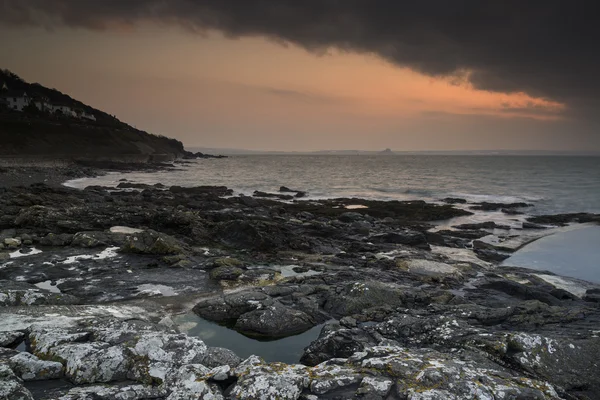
40 130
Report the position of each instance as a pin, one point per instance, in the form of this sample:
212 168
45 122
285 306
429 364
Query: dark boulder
481 225
454 200
486 206
151 242
407 237
274 321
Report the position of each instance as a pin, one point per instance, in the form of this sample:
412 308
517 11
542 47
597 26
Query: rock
22 294
491 255
407 237
563 219
151 242
298 193
511 211
486 206
355 297
52 239
351 216
228 262
274 321
260 381
258 193
454 200
256 235
158 353
119 392
378 386
531 225
131 185
11 387
202 190
226 273
428 268
305 216
91 239
93 362
189 383
11 339
221 373
12 243
481 225
30 368
218 356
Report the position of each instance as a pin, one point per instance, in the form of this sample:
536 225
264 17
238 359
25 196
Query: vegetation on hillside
35 132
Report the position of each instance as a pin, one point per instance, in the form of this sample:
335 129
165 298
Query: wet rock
521 291
202 190
305 216
274 321
531 225
230 307
407 237
228 262
592 295
257 235
151 242
351 216
226 273
258 193
481 225
486 206
131 185
454 200
92 239
358 296
511 211
563 219
30 368
52 239
491 255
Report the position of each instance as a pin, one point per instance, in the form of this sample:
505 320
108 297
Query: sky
322 74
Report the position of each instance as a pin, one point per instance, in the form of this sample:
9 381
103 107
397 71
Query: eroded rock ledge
89 280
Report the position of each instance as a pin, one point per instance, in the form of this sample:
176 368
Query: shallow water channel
572 252
287 350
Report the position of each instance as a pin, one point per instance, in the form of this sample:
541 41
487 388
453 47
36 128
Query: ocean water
554 184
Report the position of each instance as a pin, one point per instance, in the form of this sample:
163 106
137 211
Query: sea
553 184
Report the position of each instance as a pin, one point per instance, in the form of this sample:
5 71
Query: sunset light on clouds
220 87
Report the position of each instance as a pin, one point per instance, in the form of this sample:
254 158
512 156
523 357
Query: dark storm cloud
545 48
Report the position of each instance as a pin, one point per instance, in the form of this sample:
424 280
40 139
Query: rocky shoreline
92 282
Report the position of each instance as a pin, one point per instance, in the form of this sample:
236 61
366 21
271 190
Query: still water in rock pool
287 350
572 252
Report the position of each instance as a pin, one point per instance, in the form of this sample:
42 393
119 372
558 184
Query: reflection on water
287 350
572 252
